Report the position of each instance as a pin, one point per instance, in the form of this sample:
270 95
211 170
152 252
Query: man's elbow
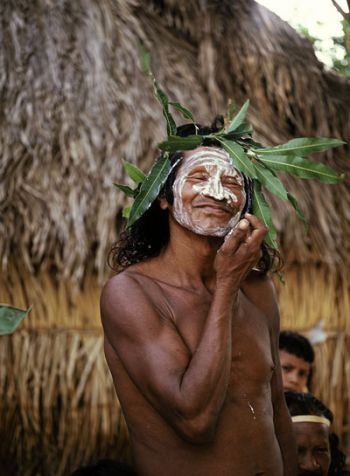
198 430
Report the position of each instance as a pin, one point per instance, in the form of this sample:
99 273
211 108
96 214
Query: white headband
311 418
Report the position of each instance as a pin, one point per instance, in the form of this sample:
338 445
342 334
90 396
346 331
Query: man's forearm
205 381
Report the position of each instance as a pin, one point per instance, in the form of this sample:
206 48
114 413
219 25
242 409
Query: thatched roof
74 103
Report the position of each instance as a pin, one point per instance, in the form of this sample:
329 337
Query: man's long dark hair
150 233
307 404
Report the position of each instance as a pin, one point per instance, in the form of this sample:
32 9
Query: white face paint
216 189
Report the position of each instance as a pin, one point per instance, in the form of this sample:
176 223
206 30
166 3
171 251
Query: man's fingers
235 237
243 224
254 221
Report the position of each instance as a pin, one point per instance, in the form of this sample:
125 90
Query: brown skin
314 454
295 372
192 344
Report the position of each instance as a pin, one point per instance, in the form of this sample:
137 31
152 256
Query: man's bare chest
250 336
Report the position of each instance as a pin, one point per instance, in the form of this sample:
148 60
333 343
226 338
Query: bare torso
245 443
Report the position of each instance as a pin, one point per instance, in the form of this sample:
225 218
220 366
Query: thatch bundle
74 103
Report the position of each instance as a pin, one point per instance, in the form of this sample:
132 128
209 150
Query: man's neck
191 256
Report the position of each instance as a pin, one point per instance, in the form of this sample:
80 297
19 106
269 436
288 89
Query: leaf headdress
261 164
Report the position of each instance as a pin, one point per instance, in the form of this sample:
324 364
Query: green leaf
145 59
150 188
176 143
301 146
262 211
244 128
10 318
239 118
298 210
303 168
239 157
164 102
133 172
182 110
126 212
129 192
270 181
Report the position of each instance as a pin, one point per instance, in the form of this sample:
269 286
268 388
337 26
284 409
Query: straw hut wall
74 103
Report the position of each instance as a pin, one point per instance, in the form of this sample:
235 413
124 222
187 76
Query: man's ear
163 203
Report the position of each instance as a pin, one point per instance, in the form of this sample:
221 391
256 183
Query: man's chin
218 232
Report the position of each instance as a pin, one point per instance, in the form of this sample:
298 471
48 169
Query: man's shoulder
260 290
131 288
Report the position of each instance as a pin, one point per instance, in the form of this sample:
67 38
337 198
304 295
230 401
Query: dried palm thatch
57 403
74 103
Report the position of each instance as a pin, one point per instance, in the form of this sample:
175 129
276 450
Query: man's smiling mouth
215 206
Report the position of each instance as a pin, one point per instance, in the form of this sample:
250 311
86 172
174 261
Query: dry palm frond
76 103
313 294
57 403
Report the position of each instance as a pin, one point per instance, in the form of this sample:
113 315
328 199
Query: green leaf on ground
150 188
10 318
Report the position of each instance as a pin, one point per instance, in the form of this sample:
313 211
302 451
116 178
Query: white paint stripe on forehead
216 154
211 153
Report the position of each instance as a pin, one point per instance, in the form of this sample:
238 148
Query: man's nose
309 462
215 189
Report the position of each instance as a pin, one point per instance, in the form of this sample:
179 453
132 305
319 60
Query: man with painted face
191 329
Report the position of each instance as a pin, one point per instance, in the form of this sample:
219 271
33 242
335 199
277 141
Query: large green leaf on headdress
239 118
262 211
301 146
302 168
150 188
239 157
177 143
10 318
244 129
269 180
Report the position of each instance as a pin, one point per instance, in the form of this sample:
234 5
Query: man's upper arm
145 340
261 291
